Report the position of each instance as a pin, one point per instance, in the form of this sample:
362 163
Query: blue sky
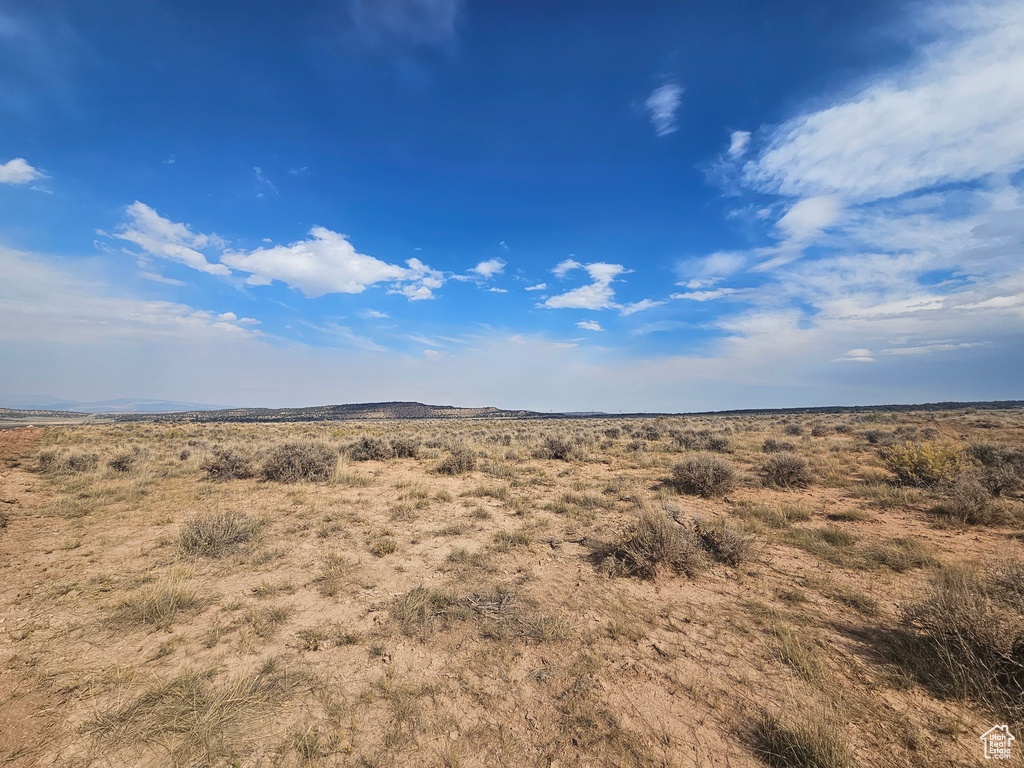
572 206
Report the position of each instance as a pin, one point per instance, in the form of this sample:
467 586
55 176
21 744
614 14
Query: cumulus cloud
662 106
326 262
18 171
589 325
490 268
537 287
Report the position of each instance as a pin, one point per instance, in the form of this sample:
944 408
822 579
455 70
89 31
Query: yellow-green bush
925 463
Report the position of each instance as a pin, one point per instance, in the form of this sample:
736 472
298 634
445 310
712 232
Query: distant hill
391 410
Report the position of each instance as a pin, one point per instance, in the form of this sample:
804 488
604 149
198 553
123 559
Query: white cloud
490 268
165 239
420 22
43 303
662 106
956 114
639 306
328 263
324 263
564 267
18 171
855 356
263 182
373 313
537 287
738 143
597 295
158 278
497 290
432 354
589 325
717 293
810 217
712 269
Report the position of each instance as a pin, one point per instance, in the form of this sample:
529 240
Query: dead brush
308 460
196 717
58 462
724 540
805 739
215 533
965 638
786 470
460 459
704 475
229 463
127 459
652 544
965 500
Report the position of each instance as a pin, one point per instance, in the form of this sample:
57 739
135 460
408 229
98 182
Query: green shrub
403 447
704 475
923 464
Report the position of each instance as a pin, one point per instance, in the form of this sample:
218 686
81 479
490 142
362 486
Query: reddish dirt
22 722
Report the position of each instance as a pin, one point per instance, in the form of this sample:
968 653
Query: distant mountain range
128 409
121 405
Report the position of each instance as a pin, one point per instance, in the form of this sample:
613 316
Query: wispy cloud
263 183
738 143
166 239
589 325
420 22
955 114
662 106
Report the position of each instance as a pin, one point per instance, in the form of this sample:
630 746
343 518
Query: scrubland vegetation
782 590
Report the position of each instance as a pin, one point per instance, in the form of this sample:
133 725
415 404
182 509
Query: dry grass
215 533
447 600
